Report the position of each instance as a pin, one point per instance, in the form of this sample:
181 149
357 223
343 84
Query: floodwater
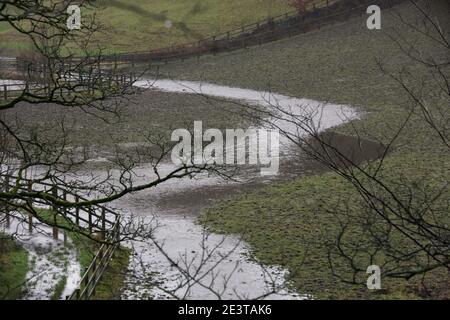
176 204
50 261
221 265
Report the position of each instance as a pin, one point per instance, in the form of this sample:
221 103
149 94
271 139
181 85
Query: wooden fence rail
95 219
99 263
286 25
271 29
106 221
83 83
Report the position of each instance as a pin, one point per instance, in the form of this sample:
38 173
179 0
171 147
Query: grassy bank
289 224
13 268
112 282
143 25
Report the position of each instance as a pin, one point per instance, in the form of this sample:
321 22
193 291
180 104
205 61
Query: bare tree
392 218
38 165
68 70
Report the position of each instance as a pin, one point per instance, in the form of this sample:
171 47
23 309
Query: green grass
290 224
59 288
338 63
111 285
13 268
140 24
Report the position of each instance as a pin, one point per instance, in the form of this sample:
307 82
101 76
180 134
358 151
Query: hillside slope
149 24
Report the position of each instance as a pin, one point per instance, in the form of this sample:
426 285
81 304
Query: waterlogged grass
111 284
138 118
59 288
288 224
13 268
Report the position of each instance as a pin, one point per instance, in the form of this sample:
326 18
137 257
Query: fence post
77 211
55 210
5 92
65 215
70 69
103 224
30 204
6 187
90 219
77 294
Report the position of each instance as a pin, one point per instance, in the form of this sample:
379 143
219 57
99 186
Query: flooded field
182 260
176 204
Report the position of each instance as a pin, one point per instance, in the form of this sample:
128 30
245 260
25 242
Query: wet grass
291 224
13 268
286 224
141 25
139 118
59 288
111 284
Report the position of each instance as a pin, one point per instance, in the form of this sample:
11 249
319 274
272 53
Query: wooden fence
83 83
317 14
92 220
126 64
98 218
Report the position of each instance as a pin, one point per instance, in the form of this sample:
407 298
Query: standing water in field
228 272
212 265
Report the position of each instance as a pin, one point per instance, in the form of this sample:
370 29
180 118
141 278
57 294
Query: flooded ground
229 272
212 265
51 262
